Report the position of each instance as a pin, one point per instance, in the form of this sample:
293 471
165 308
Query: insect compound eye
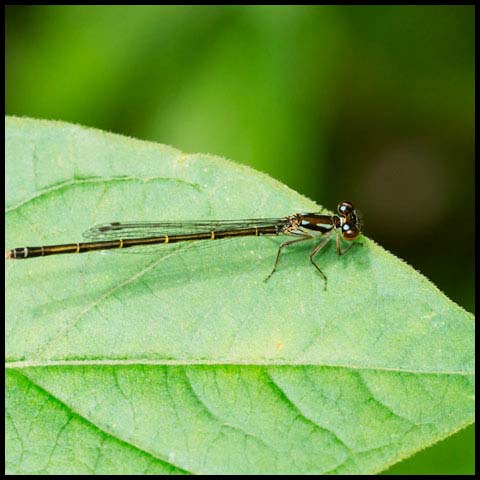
344 208
349 232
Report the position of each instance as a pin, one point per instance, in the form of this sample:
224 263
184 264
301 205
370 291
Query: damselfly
303 226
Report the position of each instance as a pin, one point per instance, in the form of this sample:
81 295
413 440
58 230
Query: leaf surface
188 362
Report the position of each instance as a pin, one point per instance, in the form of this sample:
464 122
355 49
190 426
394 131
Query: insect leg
339 250
284 244
314 252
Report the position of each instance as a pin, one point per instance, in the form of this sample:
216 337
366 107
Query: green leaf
192 363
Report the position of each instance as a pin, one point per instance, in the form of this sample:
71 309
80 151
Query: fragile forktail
116 235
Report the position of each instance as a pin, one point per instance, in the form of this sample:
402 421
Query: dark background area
372 104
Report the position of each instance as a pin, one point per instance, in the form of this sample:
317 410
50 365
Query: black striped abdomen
32 252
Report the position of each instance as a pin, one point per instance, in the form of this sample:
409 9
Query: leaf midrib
171 362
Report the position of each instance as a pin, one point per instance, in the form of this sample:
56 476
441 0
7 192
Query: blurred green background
374 104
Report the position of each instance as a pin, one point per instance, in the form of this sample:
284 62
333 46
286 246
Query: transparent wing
124 230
